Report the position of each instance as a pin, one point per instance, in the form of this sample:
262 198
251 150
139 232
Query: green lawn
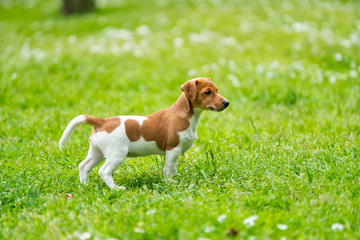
286 151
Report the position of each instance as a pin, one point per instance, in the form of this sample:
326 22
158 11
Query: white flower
300 27
275 64
143 30
282 226
118 33
129 46
353 64
76 234
120 188
138 53
232 65
115 49
354 38
337 227
97 48
85 235
245 27
209 229
222 62
228 41
221 218
353 74
192 73
259 68
81 236
178 42
297 46
72 39
298 66
345 43
269 75
338 57
327 36
198 38
14 76
332 79
250 221
150 211
234 80
35 53
139 230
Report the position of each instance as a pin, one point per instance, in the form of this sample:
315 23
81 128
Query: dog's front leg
171 161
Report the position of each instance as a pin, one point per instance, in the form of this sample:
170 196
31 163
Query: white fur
70 128
116 146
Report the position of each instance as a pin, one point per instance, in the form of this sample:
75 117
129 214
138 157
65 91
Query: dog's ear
190 89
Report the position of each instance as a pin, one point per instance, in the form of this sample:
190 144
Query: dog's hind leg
94 157
111 163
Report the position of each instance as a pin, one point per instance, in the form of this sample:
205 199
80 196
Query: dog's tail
81 119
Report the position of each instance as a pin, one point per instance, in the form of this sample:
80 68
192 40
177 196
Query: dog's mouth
214 109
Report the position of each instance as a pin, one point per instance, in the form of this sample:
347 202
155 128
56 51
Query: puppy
168 132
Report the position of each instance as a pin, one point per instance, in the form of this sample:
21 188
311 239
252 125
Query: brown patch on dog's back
101 124
111 124
132 129
157 128
96 122
153 129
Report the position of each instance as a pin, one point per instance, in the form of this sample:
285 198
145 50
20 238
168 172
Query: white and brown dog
168 132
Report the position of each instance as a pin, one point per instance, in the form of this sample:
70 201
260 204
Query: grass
286 150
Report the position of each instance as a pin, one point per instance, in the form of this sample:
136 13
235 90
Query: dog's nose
226 103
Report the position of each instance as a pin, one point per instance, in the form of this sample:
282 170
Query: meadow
282 162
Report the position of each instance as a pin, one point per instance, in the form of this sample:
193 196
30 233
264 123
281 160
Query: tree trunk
77 6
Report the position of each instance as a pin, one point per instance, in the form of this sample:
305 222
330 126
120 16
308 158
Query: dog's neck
184 109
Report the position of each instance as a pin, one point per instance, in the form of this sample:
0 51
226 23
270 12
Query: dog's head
203 94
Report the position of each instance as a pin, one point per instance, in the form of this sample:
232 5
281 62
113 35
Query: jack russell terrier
168 132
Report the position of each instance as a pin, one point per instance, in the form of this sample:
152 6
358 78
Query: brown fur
132 129
101 124
96 122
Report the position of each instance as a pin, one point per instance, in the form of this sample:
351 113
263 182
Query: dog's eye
208 92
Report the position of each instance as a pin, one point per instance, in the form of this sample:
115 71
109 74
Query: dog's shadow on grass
141 181
148 181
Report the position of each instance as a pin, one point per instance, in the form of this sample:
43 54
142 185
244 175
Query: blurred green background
286 150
